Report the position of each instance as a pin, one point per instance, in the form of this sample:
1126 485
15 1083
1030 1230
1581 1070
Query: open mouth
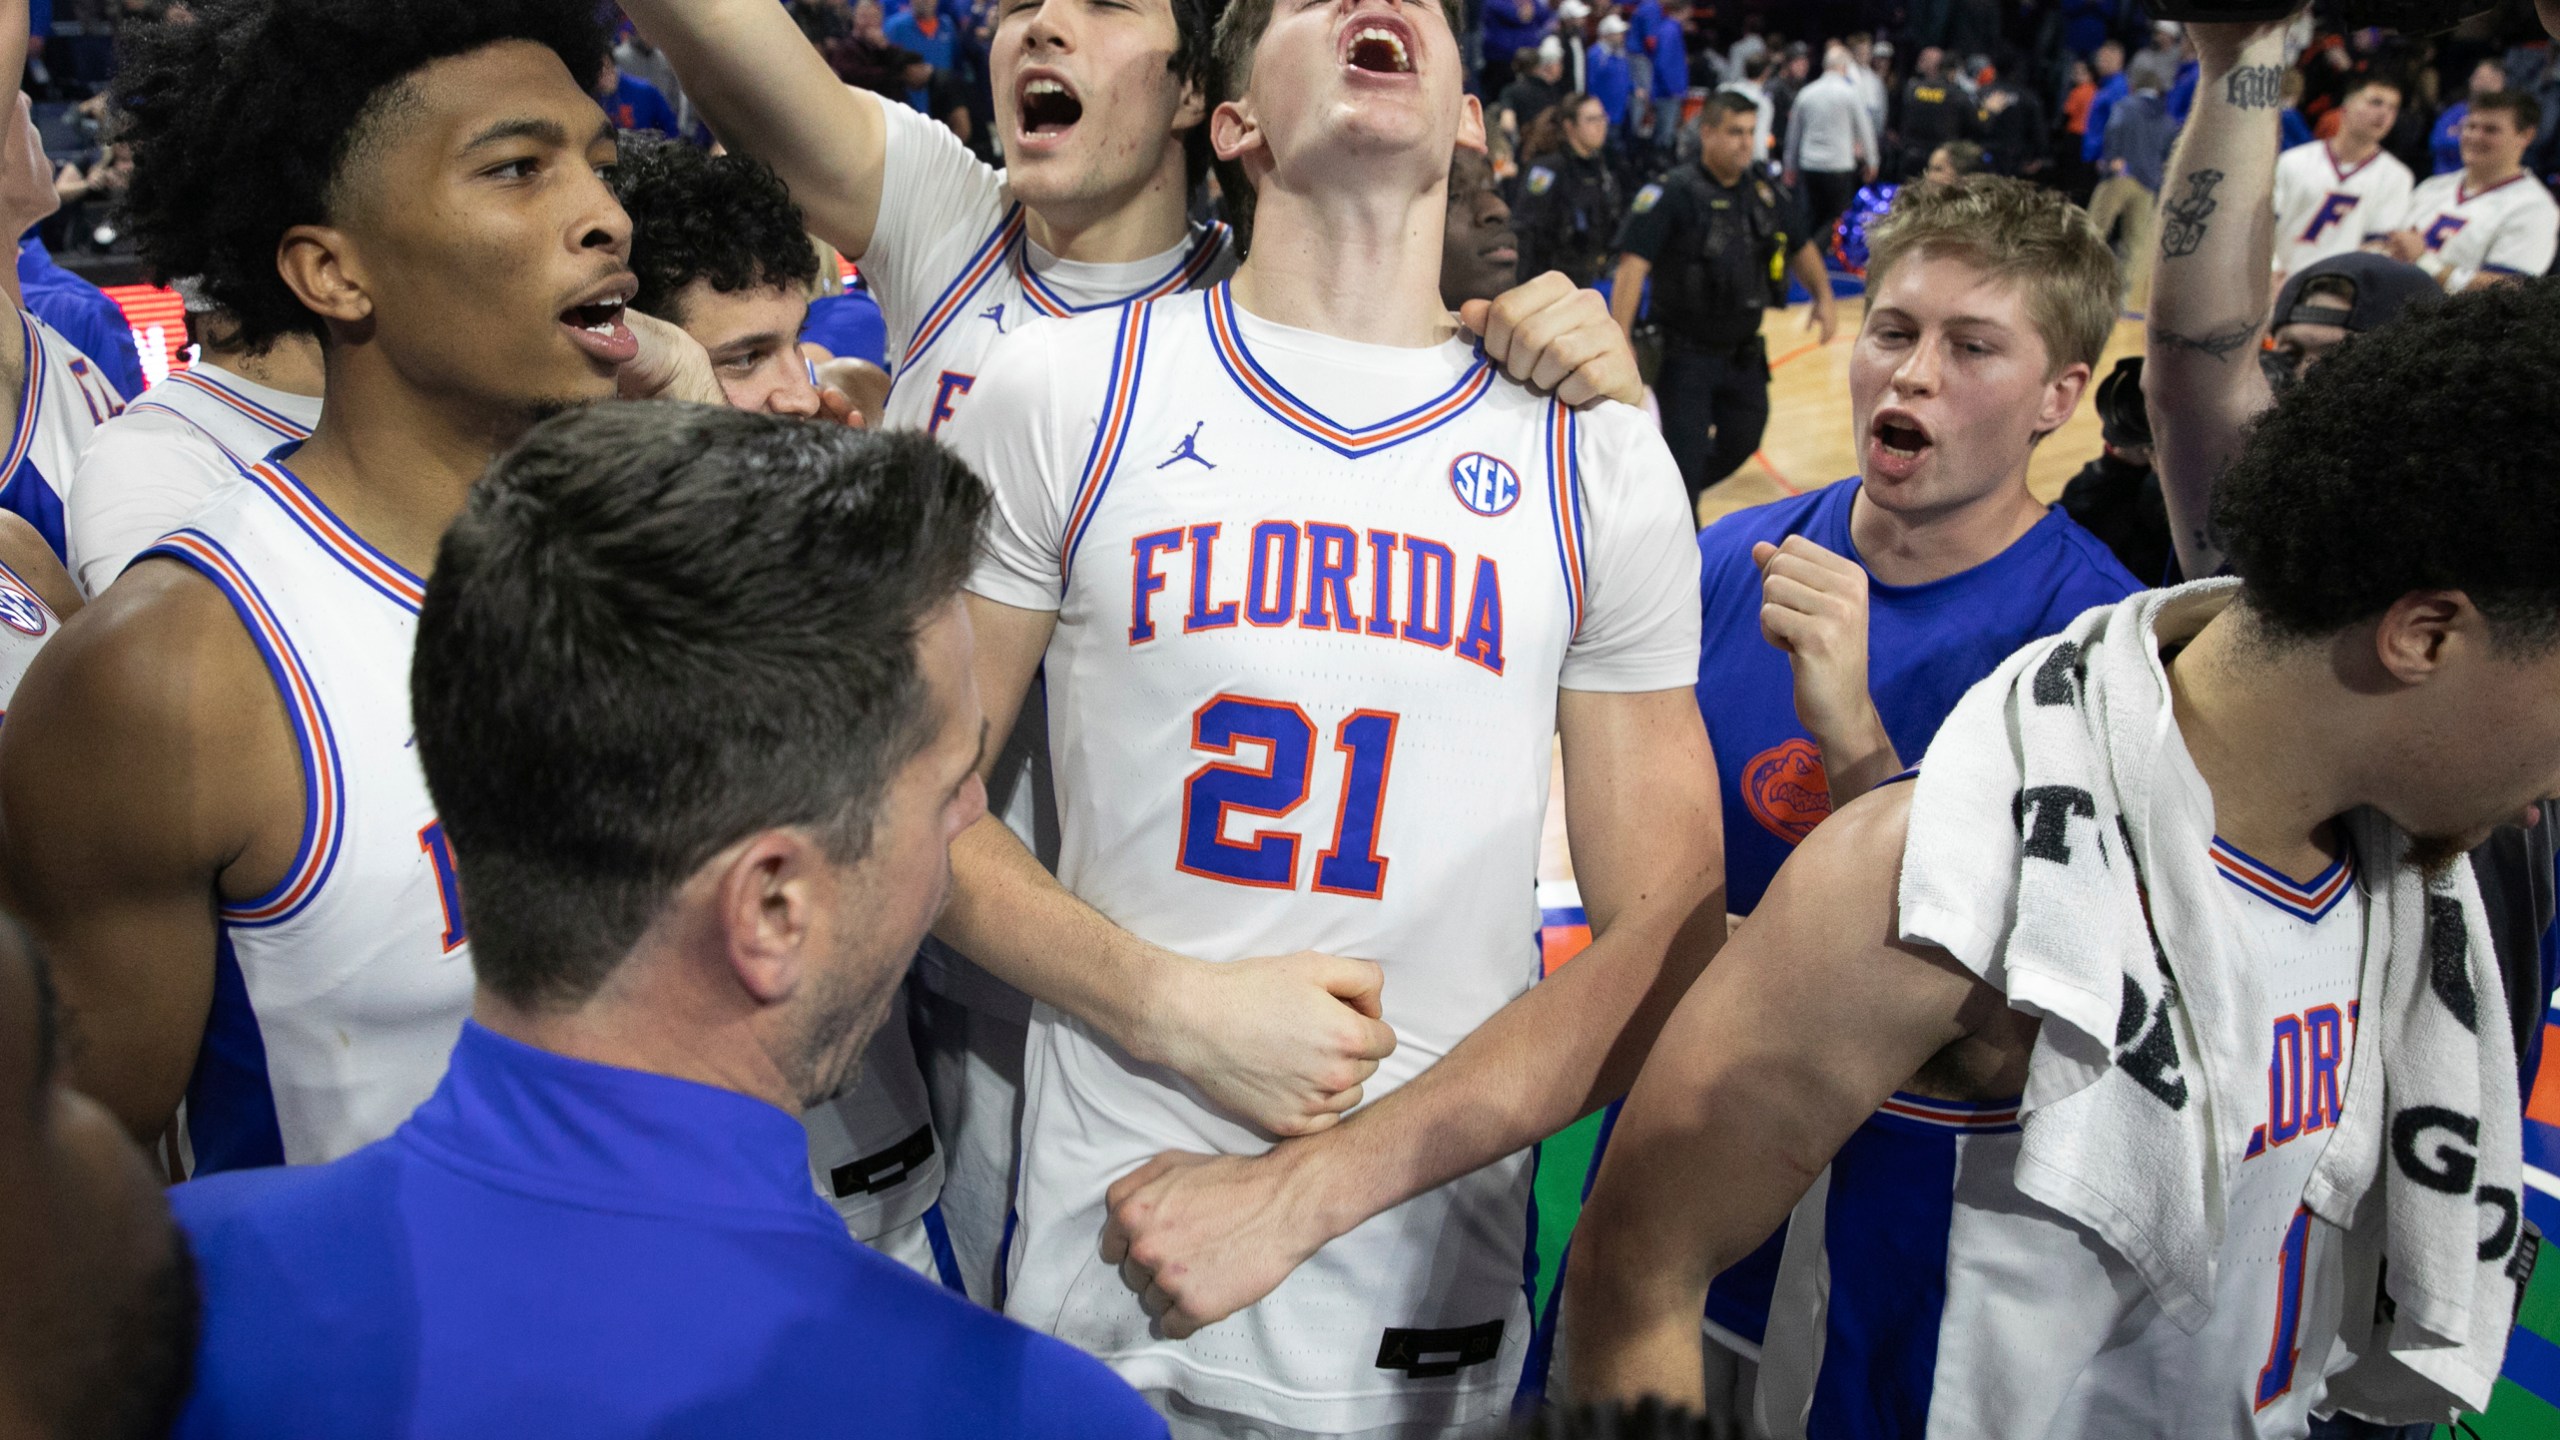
1896 444
1379 47
596 324
1901 439
1048 107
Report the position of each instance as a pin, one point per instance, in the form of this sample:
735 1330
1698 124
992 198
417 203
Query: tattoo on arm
2219 345
2185 226
2255 87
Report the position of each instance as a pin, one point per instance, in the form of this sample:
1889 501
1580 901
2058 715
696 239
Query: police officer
1570 204
1716 236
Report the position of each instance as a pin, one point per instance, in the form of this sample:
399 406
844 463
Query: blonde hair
2017 232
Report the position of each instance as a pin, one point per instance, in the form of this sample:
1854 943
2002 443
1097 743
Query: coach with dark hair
692 692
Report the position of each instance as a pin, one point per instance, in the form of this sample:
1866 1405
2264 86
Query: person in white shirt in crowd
2332 194
2489 220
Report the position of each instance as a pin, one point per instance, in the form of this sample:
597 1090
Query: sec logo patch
20 610
1786 789
1483 484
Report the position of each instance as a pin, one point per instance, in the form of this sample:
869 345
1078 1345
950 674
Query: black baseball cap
2379 288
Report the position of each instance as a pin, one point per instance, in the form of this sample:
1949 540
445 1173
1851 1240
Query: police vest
1724 262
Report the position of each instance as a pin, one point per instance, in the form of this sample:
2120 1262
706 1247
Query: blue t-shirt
938 48
85 315
551 1247
848 325
635 104
1926 645
1611 80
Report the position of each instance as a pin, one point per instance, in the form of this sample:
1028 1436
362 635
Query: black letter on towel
2449 960
2452 1167
2062 677
2054 805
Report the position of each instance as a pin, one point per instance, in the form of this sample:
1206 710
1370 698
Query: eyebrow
548 132
761 341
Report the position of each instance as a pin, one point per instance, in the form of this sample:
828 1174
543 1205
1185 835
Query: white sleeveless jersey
1315 601
153 466
65 400
26 623
953 273
338 994
2507 229
1923 1297
2324 208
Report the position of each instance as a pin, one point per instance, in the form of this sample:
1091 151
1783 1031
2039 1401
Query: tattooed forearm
2255 87
2218 345
2184 225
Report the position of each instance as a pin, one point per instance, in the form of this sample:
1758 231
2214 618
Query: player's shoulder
2091 574
1065 359
156 671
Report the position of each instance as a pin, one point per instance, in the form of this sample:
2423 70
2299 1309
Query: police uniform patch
1541 179
1645 198
1768 196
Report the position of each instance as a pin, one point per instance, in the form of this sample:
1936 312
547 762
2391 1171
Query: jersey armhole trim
990 254
30 400
323 778
1564 507
1119 402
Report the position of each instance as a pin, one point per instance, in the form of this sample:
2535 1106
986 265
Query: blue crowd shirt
86 315
2444 142
550 1247
1926 645
635 104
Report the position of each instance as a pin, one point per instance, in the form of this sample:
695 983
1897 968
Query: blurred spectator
1570 203
925 30
1610 75
2444 142
2077 96
2108 67
1668 47
633 54
1869 85
2011 125
1831 144
1571 18
83 313
1953 160
1511 26
1752 46
2491 219
1933 112
862 56
2331 194
1751 84
634 103
2134 152
1536 85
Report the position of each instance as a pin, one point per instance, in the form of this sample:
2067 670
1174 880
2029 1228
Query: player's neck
2350 152
2273 734
1115 229
1917 548
648 1034
2476 180
1355 262
291 364
396 463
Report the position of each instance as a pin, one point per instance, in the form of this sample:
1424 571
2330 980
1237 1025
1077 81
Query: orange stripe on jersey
1289 410
1119 402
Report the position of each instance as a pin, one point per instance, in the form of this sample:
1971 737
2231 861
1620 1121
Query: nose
602 223
1045 28
1918 373
795 396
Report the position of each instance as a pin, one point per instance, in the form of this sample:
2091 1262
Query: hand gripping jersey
954 272
1922 1296
149 468
1315 601
65 400
26 623
2507 229
2324 208
338 994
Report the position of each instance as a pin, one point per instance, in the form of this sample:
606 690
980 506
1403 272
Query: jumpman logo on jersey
1188 450
994 312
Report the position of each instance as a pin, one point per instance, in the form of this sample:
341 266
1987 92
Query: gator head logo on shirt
1786 789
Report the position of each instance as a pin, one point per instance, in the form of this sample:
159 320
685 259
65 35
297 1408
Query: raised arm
1284 1041
1213 1235
1802 1027
2209 290
767 92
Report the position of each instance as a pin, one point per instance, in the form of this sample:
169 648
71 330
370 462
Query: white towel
2048 853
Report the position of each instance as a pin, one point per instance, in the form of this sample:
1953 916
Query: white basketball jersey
2324 208
153 466
26 623
1315 601
65 401
1923 1297
338 994
2507 229
954 272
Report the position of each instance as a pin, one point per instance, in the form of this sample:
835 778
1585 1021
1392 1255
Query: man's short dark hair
658 629
2519 104
1722 105
2386 79
726 219
2417 456
246 117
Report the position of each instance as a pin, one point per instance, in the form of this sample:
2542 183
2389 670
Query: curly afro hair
2423 455
245 115
727 219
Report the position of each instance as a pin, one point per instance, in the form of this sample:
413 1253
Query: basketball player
2491 219
1841 626
149 468
1099 108
1315 589
2331 195
217 824
2377 691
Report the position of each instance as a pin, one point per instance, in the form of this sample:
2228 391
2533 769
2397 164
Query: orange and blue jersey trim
384 574
1119 402
1352 441
983 262
1564 505
2302 899
1972 1117
286 428
31 402
1204 253
323 779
